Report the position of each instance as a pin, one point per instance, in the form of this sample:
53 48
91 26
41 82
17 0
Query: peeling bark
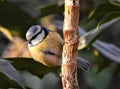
69 55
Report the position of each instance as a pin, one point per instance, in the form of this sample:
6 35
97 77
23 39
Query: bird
46 47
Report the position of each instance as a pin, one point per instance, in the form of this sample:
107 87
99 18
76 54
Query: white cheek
29 45
38 39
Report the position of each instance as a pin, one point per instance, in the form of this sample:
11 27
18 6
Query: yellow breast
53 43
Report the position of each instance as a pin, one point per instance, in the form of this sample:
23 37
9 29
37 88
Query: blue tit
46 47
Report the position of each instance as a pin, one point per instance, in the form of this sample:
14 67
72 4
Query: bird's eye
29 42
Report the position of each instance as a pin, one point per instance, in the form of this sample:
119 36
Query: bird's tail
83 64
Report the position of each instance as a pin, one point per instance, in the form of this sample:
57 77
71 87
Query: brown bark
70 32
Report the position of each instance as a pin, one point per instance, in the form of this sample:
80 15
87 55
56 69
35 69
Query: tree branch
69 56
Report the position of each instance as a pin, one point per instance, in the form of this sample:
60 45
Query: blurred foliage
38 69
7 33
7 69
109 10
14 18
51 9
22 72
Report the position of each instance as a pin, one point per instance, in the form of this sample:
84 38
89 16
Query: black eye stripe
46 31
42 29
35 35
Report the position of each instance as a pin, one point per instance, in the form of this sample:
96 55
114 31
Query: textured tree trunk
69 55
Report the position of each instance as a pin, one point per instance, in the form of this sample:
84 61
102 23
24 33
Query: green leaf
7 33
89 37
103 9
117 3
103 78
108 17
31 81
14 18
7 69
51 9
32 66
109 51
